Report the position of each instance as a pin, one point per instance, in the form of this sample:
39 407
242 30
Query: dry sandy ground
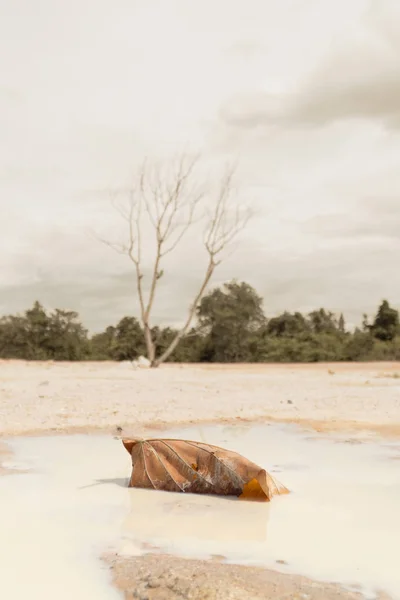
42 398
65 397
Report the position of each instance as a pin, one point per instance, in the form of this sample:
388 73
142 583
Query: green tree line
231 326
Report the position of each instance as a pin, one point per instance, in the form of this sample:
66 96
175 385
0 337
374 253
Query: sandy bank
163 577
68 397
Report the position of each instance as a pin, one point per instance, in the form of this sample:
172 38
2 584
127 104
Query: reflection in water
339 523
162 517
237 430
341 513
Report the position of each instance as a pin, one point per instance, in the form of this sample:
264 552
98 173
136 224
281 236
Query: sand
155 577
43 398
65 397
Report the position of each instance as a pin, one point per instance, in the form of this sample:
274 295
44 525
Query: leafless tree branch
224 223
171 199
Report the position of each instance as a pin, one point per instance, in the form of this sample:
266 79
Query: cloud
337 277
357 78
254 109
345 90
374 220
321 102
298 268
349 276
299 91
101 299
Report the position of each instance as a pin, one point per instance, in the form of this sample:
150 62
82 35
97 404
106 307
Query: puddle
340 523
53 527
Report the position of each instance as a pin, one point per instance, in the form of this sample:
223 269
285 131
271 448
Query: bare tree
172 200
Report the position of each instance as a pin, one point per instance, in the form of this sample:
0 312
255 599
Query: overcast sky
305 92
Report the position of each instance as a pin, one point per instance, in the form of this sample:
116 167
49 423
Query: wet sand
48 398
164 577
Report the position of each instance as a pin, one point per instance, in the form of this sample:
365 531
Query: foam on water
340 523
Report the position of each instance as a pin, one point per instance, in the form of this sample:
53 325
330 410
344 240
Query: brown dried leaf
198 468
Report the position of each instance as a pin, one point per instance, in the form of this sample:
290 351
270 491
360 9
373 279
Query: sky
304 96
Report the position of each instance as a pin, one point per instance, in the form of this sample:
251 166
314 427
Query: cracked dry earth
164 577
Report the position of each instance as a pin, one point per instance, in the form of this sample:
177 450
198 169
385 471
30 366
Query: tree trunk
170 349
192 311
151 351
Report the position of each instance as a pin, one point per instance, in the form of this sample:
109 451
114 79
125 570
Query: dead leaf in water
198 468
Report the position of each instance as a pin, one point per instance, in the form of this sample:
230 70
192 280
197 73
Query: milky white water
340 523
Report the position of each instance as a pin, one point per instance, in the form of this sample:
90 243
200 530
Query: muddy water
340 523
53 526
